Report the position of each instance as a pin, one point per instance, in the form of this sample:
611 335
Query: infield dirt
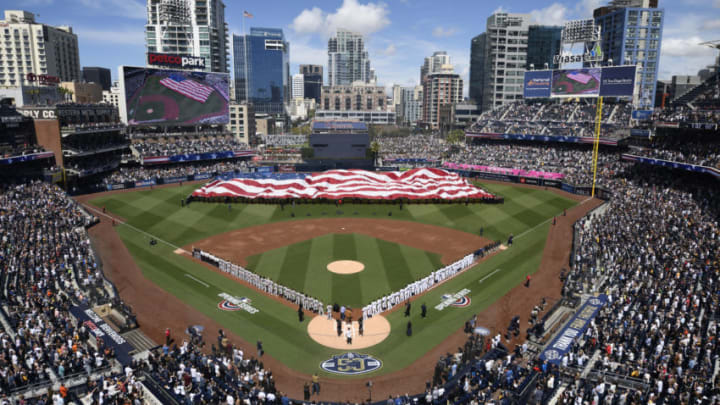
157 309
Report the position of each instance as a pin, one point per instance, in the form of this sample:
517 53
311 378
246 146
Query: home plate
179 251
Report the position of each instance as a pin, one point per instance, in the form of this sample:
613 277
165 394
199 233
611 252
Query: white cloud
440 32
584 8
121 8
351 15
684 56
126 36
302 53
308 21
685 47
390 50
711 25
554 14
500 9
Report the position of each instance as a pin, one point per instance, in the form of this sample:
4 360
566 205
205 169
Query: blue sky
399 33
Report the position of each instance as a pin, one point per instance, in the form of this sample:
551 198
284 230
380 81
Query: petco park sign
181 61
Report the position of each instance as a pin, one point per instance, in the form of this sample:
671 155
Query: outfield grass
302 266
525 213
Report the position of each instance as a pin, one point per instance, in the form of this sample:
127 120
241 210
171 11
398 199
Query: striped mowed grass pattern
303 267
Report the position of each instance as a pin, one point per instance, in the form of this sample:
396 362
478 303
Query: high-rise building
632 35
268 70
189 27
543 45
497 60
397 99
411 105
441 90
433 64
298 86
477 68
27 46
348 60
312 81
99 75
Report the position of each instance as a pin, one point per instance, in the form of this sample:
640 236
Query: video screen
175 97
576 82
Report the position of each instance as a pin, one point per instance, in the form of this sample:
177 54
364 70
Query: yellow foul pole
596 145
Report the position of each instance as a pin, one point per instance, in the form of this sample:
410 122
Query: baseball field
294 245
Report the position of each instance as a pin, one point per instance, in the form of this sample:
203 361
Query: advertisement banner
641 115
644 133
562 344
618 81
176 61
265 169
541 138
576 82
102 330
673 165
537 84
145 183
26 158
178 179
203 176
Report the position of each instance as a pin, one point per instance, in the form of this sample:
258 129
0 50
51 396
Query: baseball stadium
561 248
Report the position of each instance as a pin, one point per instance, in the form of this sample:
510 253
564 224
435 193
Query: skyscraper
441 90
543 45
268 69
348 60
45 50
433 64
298 86
99 75
312 80
631 35
477 68
497 60
189 27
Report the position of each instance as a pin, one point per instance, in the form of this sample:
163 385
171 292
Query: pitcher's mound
345 267
324 331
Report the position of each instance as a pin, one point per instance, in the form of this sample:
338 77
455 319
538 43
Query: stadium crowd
174 146
418 146
48 267
141 173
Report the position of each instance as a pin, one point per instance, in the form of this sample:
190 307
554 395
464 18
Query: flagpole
246 60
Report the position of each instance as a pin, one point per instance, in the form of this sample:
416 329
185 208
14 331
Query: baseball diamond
293 245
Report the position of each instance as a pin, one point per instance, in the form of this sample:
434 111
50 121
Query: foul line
201 282
130 226
547 220
486 277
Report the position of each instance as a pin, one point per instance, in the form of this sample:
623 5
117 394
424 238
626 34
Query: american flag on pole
337 184
246 14
187 87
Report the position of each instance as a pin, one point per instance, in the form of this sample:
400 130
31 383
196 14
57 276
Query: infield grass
525 213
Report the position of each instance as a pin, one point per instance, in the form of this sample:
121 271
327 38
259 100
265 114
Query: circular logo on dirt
351 364
226 305
461 302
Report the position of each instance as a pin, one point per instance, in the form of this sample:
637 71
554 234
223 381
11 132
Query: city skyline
399 34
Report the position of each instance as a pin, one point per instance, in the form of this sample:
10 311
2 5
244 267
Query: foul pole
596 144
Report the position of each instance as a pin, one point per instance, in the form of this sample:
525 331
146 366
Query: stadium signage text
231 303
561 59
40 114
42 79
351 364
459 299
164 59
576 327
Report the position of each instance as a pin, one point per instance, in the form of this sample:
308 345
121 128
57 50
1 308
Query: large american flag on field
187 87
337 184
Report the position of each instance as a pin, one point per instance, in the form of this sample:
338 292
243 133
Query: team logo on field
457 300
351 364
230 303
